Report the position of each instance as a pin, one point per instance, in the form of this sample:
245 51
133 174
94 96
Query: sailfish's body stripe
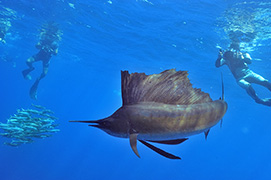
158 121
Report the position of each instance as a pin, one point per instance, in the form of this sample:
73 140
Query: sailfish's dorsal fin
169 87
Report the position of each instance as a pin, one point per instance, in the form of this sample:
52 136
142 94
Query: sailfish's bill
94 123
161 108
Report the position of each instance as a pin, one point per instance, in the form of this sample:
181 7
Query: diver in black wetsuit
48 46
237 63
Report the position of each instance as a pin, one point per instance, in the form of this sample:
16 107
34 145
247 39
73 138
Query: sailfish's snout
102 124
95 125
109 125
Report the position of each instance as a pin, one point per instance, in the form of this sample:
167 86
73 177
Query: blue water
100 38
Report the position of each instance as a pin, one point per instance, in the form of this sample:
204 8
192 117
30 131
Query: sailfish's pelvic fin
170 142
133 143
159 151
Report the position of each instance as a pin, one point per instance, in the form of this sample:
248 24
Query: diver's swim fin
266 101
33 90
26 73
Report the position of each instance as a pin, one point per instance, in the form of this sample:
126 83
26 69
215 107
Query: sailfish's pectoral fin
160 151
133 143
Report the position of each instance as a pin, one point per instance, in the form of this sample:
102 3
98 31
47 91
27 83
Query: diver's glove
219 61
246 55
247 58
220 54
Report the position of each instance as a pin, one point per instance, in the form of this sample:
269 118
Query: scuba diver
48 46
4 27
238 65
2 36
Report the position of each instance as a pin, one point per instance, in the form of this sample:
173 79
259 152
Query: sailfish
161 108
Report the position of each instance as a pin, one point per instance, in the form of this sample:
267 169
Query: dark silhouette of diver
4 27
237 63
48 46
2 36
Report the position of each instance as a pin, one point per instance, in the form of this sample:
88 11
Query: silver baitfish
27 124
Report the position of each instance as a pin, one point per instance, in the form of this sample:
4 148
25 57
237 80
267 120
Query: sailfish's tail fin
222 96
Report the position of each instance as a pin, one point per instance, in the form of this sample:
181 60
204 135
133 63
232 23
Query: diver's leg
247 86
34 88
44 70
258 79
29 63
251 92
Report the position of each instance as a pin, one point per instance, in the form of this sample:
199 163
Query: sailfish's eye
106 123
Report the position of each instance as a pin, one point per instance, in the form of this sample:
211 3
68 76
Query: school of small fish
27 124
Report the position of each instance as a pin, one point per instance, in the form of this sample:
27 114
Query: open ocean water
101 38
